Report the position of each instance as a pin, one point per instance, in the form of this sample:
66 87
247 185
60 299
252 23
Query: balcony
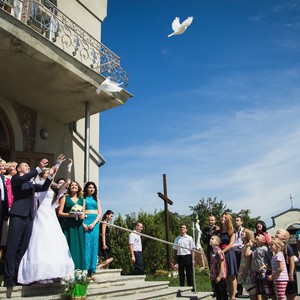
52 65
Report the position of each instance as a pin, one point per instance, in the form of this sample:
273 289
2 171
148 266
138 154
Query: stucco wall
88 14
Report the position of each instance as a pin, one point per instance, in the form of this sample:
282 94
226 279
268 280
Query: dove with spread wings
108 86
180 28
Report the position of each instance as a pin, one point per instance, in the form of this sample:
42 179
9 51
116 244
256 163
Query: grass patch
202 279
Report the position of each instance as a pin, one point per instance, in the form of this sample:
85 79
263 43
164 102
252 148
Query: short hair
217 238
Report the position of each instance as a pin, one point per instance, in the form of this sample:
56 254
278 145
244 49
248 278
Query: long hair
227 226
79 193
107 213
248 236
85 190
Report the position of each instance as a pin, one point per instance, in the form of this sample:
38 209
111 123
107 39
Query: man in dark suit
21 217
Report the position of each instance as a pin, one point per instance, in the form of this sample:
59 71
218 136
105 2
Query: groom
21 217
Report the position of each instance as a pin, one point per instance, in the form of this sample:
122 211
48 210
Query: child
291 289
261 266
244 276
279 272
218 268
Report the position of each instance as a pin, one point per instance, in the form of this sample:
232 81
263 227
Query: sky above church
216 109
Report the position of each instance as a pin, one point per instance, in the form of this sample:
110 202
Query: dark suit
3 204
21 221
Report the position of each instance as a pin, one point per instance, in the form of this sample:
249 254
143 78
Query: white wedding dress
48 255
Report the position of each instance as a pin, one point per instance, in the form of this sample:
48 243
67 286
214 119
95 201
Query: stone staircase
108 284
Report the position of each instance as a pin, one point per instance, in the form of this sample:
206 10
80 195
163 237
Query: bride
48 256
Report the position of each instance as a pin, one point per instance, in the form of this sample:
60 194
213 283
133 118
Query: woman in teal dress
71 223
91 225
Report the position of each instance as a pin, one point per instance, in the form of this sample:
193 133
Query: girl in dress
291 290
245 275
48 255
227 237
279 271
105 251
71 223
91 226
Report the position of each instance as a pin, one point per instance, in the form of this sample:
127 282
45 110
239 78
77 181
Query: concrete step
108 284
162 294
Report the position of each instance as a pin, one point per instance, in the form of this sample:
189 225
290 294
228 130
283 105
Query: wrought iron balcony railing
44 17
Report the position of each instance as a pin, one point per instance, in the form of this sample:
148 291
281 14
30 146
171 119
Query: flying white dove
108 86
180 28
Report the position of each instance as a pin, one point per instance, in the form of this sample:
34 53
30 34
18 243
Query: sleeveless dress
231 262
91 236
74 233
107 253
48 255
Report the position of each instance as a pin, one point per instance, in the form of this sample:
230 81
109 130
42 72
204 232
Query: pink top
284 274
10 195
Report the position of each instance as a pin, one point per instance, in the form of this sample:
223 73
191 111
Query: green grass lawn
202 279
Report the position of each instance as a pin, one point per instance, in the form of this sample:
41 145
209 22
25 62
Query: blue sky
216 109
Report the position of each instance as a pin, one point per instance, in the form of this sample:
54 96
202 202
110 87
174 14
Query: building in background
52 61
288 220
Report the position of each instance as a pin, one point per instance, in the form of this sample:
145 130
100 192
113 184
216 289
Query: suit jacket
23 190
4 202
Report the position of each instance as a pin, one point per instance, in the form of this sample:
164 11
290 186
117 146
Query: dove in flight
180 28
108 86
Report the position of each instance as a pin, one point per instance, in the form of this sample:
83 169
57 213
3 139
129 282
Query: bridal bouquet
77 287
77 210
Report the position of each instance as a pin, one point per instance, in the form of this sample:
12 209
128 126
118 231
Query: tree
120 246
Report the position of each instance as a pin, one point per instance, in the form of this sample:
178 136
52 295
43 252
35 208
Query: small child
279 272
261 266
244 276
218 268
291 290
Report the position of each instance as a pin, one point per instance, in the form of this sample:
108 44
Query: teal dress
91 236
74 233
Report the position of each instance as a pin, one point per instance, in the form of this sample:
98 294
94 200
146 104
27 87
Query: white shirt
184 241
135 240
238 244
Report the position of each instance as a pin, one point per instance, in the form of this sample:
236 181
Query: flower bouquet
77 287
77 210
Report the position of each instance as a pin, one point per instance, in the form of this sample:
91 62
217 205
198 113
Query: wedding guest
48 256
208 232
227 237
72 223
261 228
218 269
279 274
245 274
22 216
261 257
105 251
291 290
135 247
237 246
10 172
91 225
184 256
3 207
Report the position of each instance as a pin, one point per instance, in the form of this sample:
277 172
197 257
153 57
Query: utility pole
167 201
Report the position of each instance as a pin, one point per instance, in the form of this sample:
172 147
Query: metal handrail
44 17
161 241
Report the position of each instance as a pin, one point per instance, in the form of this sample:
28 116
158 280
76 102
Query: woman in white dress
48 256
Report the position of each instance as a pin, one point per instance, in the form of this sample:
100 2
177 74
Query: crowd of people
240 258
49 228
